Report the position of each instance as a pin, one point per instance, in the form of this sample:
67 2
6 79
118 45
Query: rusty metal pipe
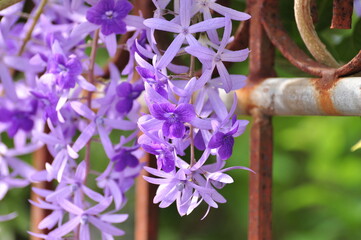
302 96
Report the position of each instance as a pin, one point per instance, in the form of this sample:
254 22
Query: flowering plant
54 93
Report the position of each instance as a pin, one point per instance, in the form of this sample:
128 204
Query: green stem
91 79
7 3
31 29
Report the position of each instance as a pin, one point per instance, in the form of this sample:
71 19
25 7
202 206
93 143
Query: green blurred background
317 179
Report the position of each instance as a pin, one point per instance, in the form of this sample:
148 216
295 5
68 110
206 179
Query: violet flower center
185 31
110 14
84 219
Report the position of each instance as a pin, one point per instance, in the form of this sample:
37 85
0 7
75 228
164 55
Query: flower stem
7 3
91 79
191 74
31 29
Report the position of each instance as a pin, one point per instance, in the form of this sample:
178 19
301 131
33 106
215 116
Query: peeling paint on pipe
302 96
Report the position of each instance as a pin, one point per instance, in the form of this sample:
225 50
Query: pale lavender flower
73 185
184 30
83 219
213 59
100 123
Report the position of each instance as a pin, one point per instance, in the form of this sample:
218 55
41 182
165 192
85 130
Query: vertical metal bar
260 192
146 213
262 51
40 157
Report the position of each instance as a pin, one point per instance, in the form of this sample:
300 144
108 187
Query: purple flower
83 219
110 14
66 70
173 117
124 158
166 156
48 103
184 30
127 93
18 119
213 59
225 141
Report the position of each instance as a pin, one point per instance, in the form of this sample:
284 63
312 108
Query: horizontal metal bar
302 96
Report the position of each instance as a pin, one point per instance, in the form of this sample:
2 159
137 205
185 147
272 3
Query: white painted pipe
301 96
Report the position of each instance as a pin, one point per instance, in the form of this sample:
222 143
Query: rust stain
244 97
324 88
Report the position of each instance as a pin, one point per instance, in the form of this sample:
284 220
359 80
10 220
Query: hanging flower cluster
53 94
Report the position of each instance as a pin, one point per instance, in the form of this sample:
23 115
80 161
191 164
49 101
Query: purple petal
226 79
231 13
106 142
100 207
66 227
177 130
159 111
111 43
124 89
199 142
225 151
123 7
216 140
120 124
171 51
235 56
163 25
82 110
213 23
5 115
185 12
168 163
84 137
84 232
185 112
106 227
114 218
166 129
124 106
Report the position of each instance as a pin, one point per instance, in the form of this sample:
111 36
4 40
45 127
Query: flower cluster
54 94
186 111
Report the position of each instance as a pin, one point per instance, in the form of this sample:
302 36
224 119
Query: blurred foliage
316 191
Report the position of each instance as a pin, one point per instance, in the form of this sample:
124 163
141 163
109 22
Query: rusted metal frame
279 37
146 212
260 191
40 158
260 188
306 28
342 14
